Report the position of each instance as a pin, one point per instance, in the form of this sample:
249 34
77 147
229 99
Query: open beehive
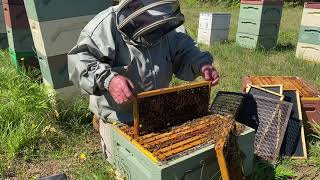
174 136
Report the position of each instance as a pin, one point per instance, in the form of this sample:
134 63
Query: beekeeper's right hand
120 88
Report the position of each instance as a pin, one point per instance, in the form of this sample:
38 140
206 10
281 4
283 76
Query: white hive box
213 27
57 37
311 17
309 52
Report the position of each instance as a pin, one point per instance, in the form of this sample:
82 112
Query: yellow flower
33 126
83 156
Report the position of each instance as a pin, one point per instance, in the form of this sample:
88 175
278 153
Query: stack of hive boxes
3 32
259 22
19 34
213 27
309 38
56 26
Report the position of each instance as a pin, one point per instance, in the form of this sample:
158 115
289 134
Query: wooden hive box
57 37
174 136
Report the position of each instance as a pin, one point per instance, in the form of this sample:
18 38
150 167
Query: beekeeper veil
146 21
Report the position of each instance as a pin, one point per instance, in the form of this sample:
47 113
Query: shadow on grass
285 47
262 170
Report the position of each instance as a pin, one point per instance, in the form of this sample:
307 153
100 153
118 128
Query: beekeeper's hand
120 88
209 73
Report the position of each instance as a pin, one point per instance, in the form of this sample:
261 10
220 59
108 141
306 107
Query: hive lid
263 2
305 88
158 110
214 14
312 5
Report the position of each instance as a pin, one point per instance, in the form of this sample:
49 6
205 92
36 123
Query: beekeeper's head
146 21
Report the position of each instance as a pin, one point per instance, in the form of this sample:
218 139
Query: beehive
3 32
21 48
213 27
259 23
310 95
308 46
55 27
57 37
184 149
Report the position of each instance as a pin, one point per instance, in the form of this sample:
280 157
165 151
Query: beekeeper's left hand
209 73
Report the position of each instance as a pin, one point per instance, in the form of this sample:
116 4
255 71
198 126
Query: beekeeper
130 48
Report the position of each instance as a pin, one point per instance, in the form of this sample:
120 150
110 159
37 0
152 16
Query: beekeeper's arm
189 62
90 61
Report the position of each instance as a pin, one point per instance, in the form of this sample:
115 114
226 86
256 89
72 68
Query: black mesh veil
146 21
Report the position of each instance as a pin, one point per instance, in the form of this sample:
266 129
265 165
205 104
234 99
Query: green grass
39 137
36 141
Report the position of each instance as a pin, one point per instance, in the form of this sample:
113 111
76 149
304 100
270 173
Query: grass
40 138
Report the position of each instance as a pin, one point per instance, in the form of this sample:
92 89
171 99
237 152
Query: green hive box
261 12
3 41
309 35
201 164
254 41
54 70
20 40
46 10
256 27
26 58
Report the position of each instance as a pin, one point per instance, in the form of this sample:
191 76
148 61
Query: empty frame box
213 27
308 46
310 95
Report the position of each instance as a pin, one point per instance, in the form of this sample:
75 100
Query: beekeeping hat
146 21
